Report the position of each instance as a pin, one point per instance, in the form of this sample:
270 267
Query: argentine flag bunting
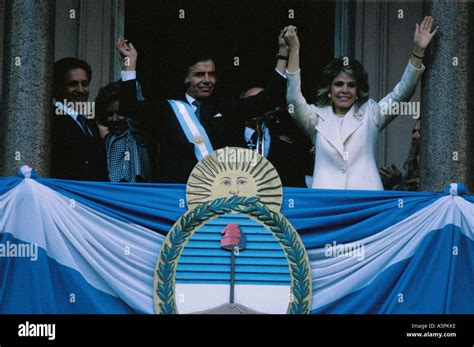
90 247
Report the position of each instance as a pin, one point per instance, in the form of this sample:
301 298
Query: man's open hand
128 54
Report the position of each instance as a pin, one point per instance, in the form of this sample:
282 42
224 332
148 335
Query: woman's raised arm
422 39
404 90
297 105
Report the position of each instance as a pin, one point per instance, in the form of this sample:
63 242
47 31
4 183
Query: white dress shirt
190 101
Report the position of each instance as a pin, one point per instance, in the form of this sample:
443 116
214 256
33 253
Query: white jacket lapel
329 128
352 122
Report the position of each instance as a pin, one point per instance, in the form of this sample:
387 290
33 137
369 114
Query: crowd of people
128 138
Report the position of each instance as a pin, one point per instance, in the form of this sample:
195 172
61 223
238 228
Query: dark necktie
82 122
197 103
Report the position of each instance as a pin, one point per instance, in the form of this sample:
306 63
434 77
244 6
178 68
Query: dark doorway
243 29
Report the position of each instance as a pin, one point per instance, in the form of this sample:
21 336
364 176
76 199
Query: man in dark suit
77 150
284 145
213 121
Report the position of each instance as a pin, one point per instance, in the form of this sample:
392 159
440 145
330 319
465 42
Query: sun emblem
234 171
233 251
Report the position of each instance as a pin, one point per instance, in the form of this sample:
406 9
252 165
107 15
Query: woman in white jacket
344 123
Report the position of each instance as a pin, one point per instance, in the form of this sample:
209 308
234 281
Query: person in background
393 179
129 148
285 146
77 152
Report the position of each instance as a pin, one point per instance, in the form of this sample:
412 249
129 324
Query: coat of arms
233 251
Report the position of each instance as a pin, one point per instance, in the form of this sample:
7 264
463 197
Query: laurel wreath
282 230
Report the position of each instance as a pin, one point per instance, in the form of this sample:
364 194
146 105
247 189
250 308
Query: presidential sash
192 128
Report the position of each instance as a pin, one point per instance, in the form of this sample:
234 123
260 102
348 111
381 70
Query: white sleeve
297 105
128 75
282 75
403 91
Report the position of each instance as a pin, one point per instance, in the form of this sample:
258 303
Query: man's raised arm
129 106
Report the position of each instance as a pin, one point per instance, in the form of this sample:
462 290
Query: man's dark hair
106 96
63 66
197 58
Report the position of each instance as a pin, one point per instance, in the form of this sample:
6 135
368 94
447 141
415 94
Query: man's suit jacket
289 151
289 159
348 161
74 155
222 121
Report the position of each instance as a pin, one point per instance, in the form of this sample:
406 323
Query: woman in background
129 148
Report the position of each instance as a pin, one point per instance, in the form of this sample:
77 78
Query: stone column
447 117
27 86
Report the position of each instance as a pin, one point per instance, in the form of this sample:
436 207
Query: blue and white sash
193 129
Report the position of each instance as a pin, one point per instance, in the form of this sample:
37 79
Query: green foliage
182 230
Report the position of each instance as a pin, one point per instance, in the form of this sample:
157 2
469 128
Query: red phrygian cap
233 237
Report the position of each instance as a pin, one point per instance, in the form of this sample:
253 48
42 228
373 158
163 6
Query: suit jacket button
86 162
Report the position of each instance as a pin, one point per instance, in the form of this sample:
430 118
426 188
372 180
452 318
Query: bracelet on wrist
282 57
416 55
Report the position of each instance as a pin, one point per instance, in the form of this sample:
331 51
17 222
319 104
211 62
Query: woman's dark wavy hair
106 96
352 68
